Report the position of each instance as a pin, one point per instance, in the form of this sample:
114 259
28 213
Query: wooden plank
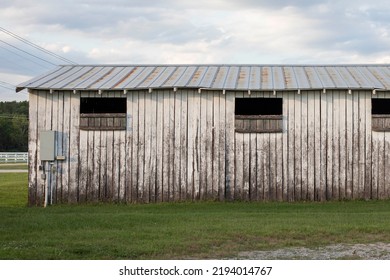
135 146
59 151
97 163
209 145
196 148
83 166
41 184
159 146
323 151
221 145
368 141
260 160
153 148
203 138
191 145
343 145
384 193
304 145
291 145
147 116
376 142
171 155
355 144
32 148
362 143
239 160
74 142
349 145
329 146
215 154
311 142
176 143
103 167
54 127
336 146
142 196
110 151
317 145
246 162
230 143
253 166
271 147
129 148
279 158
285 145
166 151
183 144
298 145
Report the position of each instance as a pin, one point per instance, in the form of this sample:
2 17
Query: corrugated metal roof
218 77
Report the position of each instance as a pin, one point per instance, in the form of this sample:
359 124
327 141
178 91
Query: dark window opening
380 112
102 105
103 113
259 106
259 115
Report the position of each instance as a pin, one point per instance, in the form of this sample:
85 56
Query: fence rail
13 157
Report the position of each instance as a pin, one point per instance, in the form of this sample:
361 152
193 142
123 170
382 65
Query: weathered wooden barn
153 133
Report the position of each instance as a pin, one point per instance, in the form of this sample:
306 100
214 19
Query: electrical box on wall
47 145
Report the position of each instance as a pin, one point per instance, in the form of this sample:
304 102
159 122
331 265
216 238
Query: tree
13 126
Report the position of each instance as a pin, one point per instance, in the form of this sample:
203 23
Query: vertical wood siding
181 145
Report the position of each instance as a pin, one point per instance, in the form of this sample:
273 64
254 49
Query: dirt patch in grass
373 251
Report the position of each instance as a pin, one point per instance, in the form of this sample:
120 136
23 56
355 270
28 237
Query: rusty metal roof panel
106 77
172 81
266 82
218 77
289 78
254 78
231 78
186 77
197 77
209 77
382 74
278 79
120 79
313 77
164 76
243 78
91 77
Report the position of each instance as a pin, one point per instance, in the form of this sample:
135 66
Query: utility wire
28 53
3 86
36 46
1 82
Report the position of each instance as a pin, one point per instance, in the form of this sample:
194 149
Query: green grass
6 166
178 230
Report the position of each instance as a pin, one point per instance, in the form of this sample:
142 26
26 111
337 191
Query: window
102 113
259 115
380 111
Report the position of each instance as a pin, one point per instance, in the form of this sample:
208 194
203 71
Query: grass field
177 230
9 166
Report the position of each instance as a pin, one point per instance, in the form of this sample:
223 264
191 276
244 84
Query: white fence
13 157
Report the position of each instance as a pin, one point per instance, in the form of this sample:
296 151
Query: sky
188 32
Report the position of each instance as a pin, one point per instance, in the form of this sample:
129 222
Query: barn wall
182 146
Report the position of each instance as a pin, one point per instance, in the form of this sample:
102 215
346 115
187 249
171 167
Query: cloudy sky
178 31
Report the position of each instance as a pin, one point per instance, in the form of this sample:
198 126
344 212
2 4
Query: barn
158 133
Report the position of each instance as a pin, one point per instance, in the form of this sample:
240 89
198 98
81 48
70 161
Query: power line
2 82
19 49
7 87
36 46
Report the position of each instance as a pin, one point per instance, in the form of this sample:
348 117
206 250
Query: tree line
14 126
